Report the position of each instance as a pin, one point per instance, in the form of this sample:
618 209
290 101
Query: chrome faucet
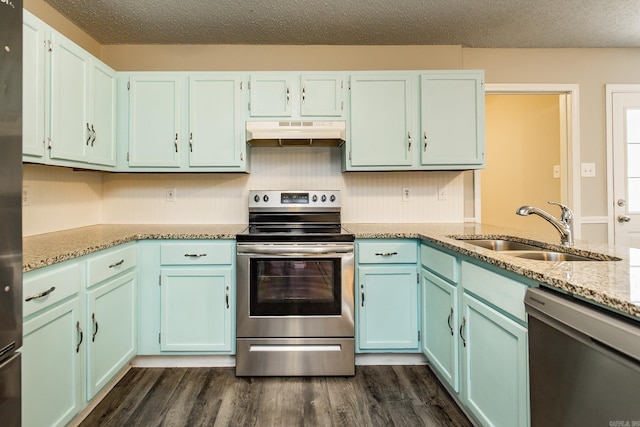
564 225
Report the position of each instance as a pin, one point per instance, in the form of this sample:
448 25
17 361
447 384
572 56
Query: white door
625 126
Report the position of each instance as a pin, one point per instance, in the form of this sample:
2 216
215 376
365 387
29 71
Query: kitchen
62 199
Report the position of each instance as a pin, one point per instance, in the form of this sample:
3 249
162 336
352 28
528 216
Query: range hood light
296 133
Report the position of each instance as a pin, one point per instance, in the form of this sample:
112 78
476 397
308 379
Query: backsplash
95 197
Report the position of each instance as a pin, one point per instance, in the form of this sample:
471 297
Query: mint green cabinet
270 95
34 33
102 114
321 95
440 320
155 120
381 132
216 121
195 309
387 296
495 370
452 120
54 345
111 330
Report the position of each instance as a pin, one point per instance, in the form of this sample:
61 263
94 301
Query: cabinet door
52 354
102 102
270 95
70 134
196 309
388 308
381 121
495 371
154 122
321 95
216 129
452 119
33 87
110 330
440 317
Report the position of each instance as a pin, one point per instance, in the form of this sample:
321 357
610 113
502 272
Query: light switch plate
588 170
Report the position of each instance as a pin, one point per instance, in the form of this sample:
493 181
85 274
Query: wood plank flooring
375 396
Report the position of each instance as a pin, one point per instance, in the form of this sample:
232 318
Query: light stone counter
612 284
50 248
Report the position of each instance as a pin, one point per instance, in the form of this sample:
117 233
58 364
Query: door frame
569 143
610 90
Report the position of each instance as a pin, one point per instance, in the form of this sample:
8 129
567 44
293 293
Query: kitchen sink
501 245
543 255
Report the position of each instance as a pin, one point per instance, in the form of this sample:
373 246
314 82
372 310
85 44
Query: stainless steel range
295 313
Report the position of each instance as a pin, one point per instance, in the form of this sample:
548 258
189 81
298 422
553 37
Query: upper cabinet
416 121
69 102
452 120
182 122
296 96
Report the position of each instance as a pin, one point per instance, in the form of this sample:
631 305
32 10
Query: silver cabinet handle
175 142
41 294
194 255
227 296
409 139
624 218
426 141
303 94
386 253
464 341
79 329
288 97
362 295
95 327
191 142
88 134
449 321
94 135
117 264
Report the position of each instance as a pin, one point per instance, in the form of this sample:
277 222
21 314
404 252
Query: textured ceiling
470 23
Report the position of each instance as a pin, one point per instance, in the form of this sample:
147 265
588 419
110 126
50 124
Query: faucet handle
567 213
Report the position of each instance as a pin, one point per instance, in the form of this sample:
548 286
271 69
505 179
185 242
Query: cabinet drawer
441 263
110 263
391 252
196 253
46 287
505 293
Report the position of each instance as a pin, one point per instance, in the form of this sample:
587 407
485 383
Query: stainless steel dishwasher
584 363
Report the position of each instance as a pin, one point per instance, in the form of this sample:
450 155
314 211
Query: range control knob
314 198
256 198
265 198
323 198
332 198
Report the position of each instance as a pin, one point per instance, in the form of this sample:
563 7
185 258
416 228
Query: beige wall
523 145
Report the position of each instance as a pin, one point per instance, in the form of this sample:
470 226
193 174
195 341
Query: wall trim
572 148
595 220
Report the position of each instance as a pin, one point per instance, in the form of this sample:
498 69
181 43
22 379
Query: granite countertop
612 284
46 249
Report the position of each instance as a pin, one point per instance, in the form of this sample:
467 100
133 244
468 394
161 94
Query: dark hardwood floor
376 396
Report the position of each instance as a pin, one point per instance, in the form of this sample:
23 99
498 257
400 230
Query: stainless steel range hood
296 133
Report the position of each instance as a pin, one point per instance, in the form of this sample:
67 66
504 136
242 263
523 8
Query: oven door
295 290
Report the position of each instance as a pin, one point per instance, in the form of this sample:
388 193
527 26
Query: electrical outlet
406 194
588 170
556 171
171 194
26 195
442 192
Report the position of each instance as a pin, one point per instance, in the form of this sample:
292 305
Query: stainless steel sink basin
501 245
543 255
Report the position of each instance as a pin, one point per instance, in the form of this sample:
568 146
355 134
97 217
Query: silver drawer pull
117 264
41 294
195 255
386 253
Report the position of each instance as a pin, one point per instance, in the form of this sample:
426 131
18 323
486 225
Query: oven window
290 286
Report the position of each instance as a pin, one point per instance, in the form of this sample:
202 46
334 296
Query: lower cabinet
111 331
53 351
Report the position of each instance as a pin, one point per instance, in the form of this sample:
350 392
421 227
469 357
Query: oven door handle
294 250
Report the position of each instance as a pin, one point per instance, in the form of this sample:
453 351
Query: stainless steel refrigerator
10 210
